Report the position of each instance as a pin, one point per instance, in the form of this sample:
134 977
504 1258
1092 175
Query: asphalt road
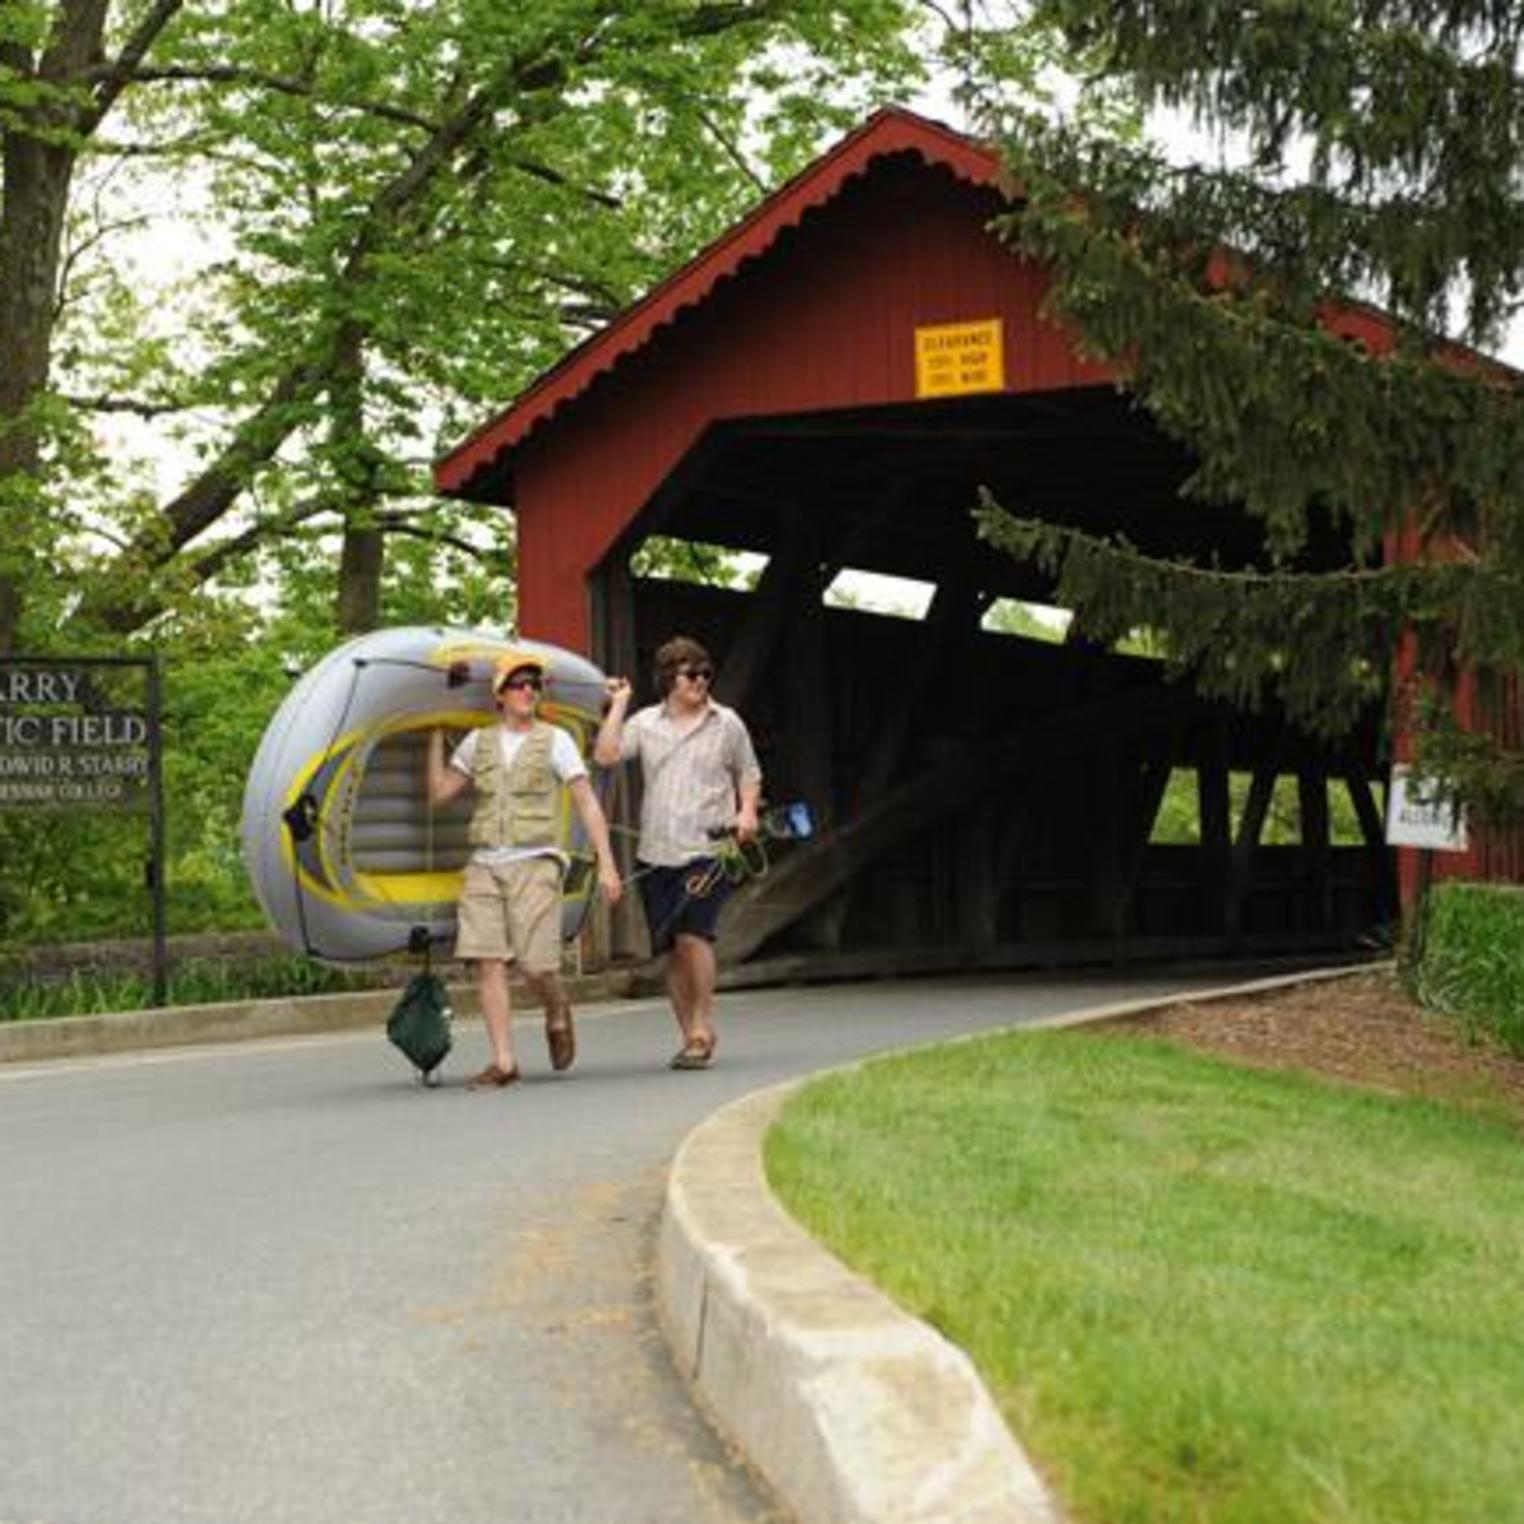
279 1282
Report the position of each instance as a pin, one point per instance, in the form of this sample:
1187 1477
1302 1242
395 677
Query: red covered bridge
828 385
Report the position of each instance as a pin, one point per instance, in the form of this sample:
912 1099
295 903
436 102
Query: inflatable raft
346 855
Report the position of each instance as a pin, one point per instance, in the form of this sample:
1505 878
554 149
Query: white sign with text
1417 817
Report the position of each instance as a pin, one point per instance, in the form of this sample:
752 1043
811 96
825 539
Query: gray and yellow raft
346 855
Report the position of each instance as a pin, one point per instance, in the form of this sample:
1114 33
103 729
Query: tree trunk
358 605
360 564
38 170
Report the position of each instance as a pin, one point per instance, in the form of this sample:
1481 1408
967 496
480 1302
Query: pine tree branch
1046 544
1258 391
1437 111
1323 642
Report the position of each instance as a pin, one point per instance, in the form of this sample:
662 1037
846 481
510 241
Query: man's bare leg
690 986
560 1033
492 993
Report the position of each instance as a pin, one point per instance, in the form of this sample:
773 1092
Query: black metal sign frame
74 731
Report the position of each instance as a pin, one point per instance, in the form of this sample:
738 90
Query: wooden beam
977 896
948 617
619 932
810 705
1373 832
1106 847
1251 827
1044 953
789 579
804 879
1213 808
1372 827
1312 799
1147 795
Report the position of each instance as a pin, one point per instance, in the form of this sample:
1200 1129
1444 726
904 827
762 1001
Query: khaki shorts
512 912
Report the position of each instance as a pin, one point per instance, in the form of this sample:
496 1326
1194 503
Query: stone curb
242 1020
852 1410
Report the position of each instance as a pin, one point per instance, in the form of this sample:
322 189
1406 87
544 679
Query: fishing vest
516 807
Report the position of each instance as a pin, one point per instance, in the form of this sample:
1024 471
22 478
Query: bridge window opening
1283 818
1178 822
1028 621
879 593
659 557
1343 822
1283 815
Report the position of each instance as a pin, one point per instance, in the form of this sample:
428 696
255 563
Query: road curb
243 1020
852 1410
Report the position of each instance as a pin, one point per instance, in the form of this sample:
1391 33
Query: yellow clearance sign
952 359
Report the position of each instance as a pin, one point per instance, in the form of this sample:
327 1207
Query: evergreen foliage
1297 322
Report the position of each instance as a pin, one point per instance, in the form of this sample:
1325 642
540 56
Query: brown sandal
696 1053
494 1078
561 1039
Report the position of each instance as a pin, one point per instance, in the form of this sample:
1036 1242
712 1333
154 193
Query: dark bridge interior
988 799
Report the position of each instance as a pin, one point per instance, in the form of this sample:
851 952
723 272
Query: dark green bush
1470 959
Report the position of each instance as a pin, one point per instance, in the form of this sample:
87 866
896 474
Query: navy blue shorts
686 899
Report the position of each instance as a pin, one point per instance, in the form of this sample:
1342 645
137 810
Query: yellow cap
515 659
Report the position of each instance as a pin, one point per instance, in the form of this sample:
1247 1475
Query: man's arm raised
606 747
445 782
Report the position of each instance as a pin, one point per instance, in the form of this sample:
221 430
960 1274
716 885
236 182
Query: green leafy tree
261 259
408 210
1381 165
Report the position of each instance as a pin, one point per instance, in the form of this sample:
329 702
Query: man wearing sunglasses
700 779
510 902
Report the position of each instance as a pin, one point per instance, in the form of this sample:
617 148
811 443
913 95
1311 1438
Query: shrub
1470 959
193 982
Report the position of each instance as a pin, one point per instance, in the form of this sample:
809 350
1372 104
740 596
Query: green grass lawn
1198 1292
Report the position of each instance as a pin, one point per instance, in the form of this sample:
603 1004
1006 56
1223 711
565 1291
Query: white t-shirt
565 761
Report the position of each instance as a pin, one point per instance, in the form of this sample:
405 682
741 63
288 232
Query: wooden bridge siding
1494 854
827 321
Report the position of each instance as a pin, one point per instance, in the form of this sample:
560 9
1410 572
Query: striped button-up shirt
691 777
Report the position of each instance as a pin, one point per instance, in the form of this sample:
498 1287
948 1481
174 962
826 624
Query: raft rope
301 819
733 862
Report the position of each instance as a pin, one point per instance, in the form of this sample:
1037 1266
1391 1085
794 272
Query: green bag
419 1026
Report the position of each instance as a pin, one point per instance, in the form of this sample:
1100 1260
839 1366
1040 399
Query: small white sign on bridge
1416 816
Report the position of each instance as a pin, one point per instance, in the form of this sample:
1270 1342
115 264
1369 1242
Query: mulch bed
1363 1029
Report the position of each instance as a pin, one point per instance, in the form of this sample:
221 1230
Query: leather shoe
696 1053
561 1039
494 1078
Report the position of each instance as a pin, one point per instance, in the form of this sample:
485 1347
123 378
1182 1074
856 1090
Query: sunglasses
537 684
697 674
